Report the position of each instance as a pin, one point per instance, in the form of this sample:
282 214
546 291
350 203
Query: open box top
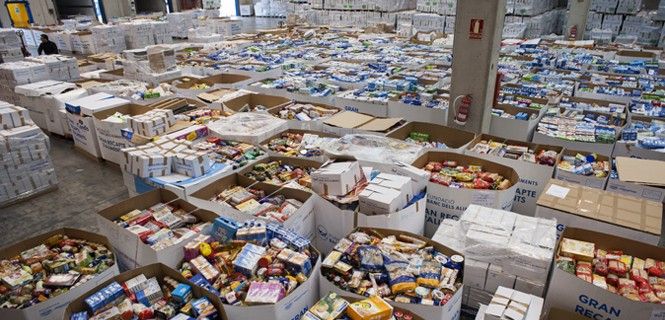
275 110
318 133
596 101
514 110
255 99
158 270
465 160
453 138
361 121
214 94
299 162
15 249
129 109
608 207
212 190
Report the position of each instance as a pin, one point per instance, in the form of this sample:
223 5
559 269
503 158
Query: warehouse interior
332 159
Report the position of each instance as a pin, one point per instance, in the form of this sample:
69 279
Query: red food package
617 267
600 268
649 297
214 140
655 271
639 276
613 279
586 277
481 184
627 286
614 255
583 271
434 166
612 289
441 179
486 177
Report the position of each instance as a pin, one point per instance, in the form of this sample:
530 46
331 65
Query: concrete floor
85 186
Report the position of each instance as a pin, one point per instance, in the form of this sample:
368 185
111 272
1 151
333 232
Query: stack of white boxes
192 163
181 22
63 68
426 22
138 34
224 26
152 64
108 38
161 31
10 46
336 178
501 248
385 194
152 123
82 42
432 6
16 73
165 156
212 4
46 102
25 165
511 304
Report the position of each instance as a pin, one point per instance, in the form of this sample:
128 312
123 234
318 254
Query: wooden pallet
32 196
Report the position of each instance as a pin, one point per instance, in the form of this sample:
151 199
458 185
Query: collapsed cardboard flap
649 172
604 206
380 124
214 95
348 119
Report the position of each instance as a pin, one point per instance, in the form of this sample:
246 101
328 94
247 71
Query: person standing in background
47 46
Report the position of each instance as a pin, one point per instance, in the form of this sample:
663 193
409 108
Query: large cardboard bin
455 139
449 203
54 308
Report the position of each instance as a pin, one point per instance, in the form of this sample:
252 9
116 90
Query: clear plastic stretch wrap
25 165
250 127
374 148
522 245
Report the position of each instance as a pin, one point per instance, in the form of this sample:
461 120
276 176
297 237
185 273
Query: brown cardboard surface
144 201
154 270
87 83
255 99
626 211
214 95
649 172
348 119
130 109
558 314
453 138
514 110
533 146
596 101
380 124
224 78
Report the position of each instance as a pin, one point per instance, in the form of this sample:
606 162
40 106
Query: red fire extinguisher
573 33
462 113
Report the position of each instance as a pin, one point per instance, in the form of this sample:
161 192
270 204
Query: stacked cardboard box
181 22
16 73
10 46
25 165
192 163
161 32
512 304
108 38
138 34
152 123
63 68
501 248
165 156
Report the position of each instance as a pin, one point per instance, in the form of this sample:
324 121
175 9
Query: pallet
30 197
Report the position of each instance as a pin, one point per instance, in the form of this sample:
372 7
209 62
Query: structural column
478 29
577 15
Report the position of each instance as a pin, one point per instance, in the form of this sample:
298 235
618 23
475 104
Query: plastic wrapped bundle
374 148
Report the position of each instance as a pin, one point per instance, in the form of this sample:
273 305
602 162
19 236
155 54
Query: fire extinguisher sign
476 29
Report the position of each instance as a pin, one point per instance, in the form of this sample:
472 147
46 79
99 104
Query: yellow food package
372 308
578 250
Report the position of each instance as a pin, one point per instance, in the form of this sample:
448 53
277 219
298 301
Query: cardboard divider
157 270
54 308
603 211
589 181
213 95
514 128
131 251
348 122
553 98
603 96
599 102
571 294
301 221
374 108
455 139
532 176
449 203
450 310
635 181
253 100
399 109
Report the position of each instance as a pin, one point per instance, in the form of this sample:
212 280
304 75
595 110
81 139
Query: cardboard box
332 223
304 125
109 133
589 181
398 109
599 148
449 203
533 176
249 127
639 178
157 270
291 307
336 178
603 211
456 140
450 310
370 107
253 100
571 294
131 251
513 128
410 218
623 149
322 158
297 162
301 221
54 308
